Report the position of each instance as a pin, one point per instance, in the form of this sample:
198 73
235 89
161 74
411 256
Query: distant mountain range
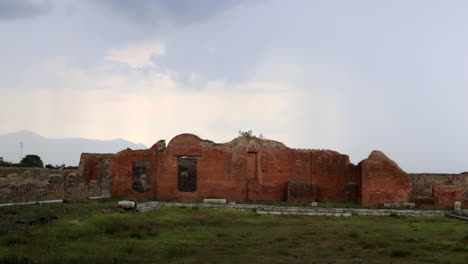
58 151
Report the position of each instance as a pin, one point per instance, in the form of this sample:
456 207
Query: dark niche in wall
141 177
187 174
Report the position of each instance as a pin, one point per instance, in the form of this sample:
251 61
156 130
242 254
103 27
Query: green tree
4 163
31 161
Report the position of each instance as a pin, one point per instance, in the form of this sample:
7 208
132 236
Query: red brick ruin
249 168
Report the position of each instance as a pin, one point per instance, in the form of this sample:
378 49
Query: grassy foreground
96 232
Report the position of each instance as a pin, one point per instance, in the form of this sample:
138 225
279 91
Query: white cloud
137 55
143 107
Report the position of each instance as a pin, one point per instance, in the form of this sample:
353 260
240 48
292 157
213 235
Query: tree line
33 161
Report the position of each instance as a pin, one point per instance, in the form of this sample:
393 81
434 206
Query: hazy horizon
351 76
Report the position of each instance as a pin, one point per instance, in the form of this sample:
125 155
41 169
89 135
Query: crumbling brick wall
383 181
95 173
424 183
447 195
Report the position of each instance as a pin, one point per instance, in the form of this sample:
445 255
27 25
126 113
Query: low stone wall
19 185
31 184
283 210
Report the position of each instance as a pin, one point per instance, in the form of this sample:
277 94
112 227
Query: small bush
367 245
152 233
15 260
281 239
87 260
354 235
461 248
135 235
13 240
113 224
400 253
284 252
179 251
222 235
341 246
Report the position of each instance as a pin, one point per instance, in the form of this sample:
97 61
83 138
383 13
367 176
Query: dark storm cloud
14 9
153 12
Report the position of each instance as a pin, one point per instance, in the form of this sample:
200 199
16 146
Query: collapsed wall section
424 185
33 184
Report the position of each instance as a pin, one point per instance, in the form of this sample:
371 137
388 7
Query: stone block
457 208
399 205
127 204
215 201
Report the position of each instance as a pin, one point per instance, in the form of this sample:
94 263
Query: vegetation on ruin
97 232
249 133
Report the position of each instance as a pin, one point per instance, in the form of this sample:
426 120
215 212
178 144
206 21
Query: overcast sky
352 76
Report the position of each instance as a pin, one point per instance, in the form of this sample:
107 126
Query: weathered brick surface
383 181
446 195
301 191
96 171
122 172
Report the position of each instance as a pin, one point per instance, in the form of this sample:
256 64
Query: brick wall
383 181
246 168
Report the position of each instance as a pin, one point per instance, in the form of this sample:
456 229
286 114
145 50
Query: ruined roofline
465 173
90 153
188 138
269 143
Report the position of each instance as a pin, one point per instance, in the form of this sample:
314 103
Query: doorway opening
187 174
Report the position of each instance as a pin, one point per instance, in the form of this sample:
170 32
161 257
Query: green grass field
96 232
